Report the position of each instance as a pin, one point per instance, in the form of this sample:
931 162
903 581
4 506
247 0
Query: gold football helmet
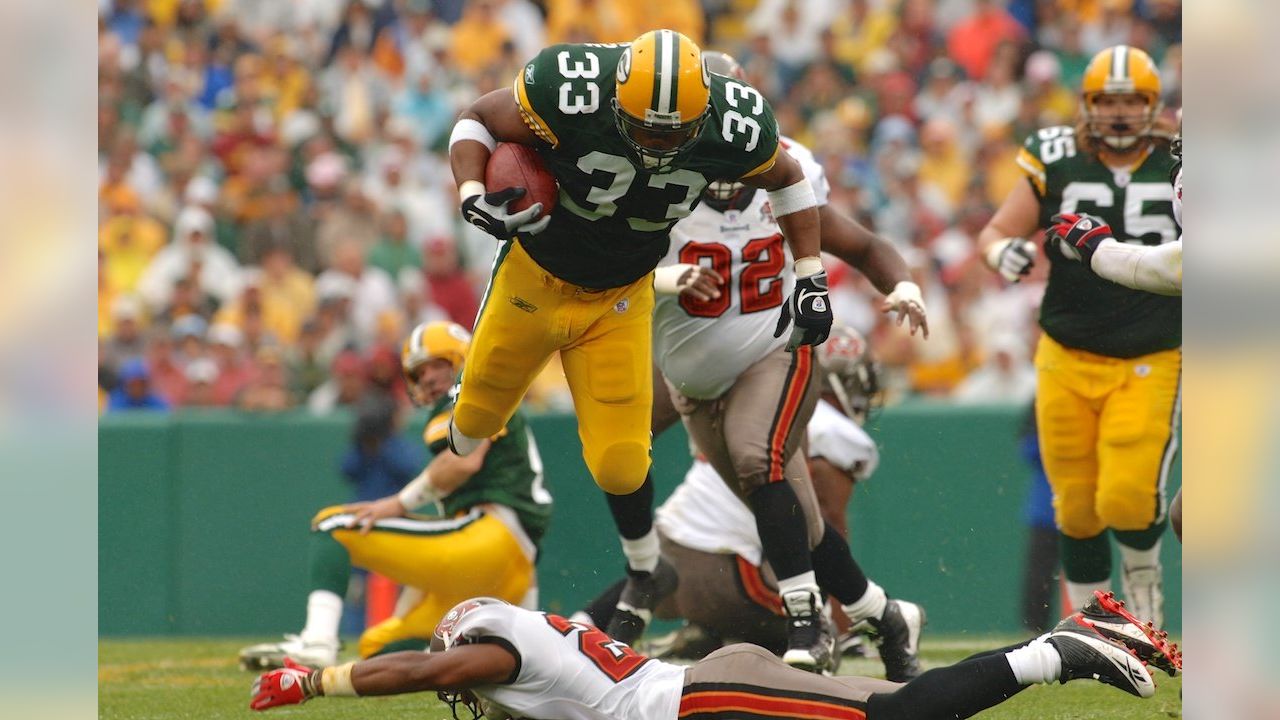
1114 82
663 94
439 340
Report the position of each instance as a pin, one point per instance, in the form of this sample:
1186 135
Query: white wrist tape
792 198
907 291
470 188
993 252
418 492
807 266
468 129
336 681
666 279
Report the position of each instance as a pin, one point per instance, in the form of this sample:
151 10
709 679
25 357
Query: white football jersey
704 514
842 442
571 671
702 347
1177 199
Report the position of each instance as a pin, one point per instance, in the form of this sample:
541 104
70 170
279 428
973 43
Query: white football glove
908 303
1012 257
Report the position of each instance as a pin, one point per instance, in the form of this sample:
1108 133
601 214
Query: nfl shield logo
622 305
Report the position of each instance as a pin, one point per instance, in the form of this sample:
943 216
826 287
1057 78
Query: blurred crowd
276 208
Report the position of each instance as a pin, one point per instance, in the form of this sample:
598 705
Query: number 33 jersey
703 346
611 224
571 671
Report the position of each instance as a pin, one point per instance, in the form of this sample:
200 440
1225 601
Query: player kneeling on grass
495 512
500 660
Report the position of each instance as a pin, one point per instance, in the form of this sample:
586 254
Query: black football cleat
809 644
898 634
1087 654
639 597
1113 621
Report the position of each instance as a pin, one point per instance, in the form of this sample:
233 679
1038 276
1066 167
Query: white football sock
870 605
805 581
1081 593
642 553
462 444
1134 558
324 614
1038 662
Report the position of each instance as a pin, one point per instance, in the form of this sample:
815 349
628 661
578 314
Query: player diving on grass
727 592
501 661
633 133
495 511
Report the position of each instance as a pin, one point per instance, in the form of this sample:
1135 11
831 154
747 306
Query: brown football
515 165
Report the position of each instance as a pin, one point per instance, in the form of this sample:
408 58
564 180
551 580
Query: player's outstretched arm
796 209
876 258
459 668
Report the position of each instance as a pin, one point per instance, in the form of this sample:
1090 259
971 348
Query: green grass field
193 678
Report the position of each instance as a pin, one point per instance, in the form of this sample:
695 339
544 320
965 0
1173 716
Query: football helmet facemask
432 341
663 94
847 371
1120 96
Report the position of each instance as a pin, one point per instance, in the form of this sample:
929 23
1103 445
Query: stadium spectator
134 392
380 461
202 376
448 284
194 255
371 289
1005 377
128 240
345 386
268 385
973 41
226 345
125 339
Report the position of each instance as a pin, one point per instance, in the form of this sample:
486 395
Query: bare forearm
802 231
396 673
871 254
449 471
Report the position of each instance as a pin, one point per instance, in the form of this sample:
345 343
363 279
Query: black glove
812 310
1082 232
489 213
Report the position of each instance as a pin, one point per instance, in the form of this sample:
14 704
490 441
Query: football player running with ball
633 133
501 661
495 513
1109 360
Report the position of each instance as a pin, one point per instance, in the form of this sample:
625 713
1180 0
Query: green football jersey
511 474
611 224
1081 310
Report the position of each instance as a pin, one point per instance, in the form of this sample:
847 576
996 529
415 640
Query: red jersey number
759 284
615 659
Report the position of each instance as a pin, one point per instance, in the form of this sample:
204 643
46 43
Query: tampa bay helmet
1120 70
430 341
663 94
847 371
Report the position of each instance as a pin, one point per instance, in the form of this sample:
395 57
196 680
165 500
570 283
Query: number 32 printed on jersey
759 283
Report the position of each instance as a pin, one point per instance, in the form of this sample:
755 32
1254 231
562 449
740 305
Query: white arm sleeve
1154 268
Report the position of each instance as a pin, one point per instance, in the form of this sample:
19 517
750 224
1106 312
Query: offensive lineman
496 511
633 134
506 662
709 536
1109 360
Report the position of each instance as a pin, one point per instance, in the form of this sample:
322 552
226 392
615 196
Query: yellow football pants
1107 431
449 560
604 339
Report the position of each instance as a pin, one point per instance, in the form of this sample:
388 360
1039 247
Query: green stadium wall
203 517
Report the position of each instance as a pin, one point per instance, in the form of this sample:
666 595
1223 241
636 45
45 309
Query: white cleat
269 656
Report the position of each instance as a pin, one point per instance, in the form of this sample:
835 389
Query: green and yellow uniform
1110 359
583 286
485 544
